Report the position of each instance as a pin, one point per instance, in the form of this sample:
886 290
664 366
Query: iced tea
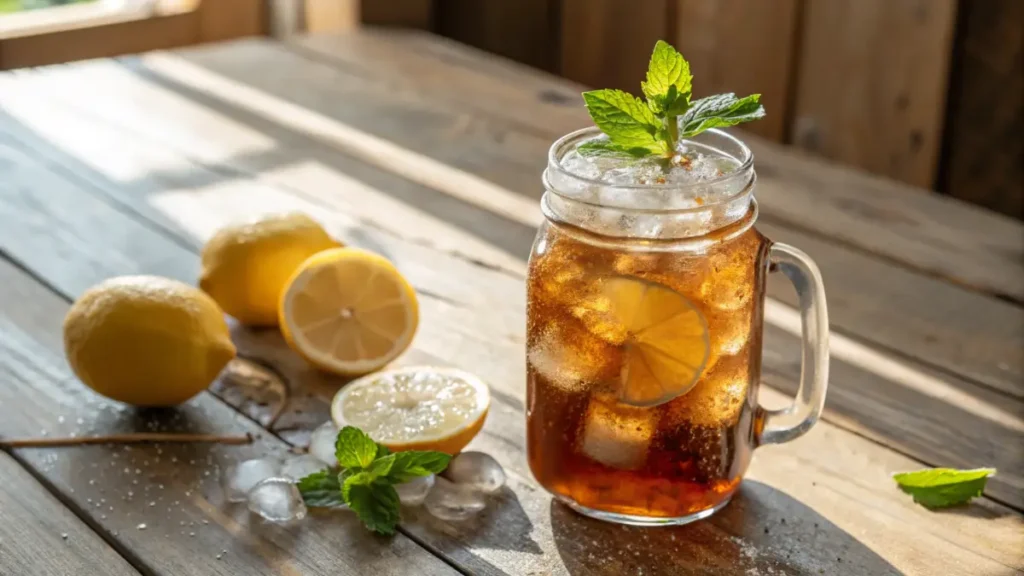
645 299
600 431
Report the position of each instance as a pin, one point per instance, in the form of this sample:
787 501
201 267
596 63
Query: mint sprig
943 487
636 128
366 481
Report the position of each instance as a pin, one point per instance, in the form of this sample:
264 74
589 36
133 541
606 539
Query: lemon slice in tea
416 408
348 311
667 343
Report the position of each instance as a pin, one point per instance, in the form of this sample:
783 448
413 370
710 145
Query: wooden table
430 153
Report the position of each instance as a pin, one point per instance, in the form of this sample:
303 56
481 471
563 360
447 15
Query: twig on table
123 439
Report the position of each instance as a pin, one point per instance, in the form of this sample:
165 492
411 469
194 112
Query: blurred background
927 92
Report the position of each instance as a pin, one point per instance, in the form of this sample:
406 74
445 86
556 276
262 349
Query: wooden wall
888 86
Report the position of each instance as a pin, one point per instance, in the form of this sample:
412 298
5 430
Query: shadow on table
504 525
763 531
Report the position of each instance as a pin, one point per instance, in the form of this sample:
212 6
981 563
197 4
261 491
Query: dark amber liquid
674 459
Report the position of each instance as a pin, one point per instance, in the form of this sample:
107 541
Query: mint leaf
605 148
626 120
381 466
942 487
669 81
321 489
382 450
416 463
719 111
352 479
376 505
354 448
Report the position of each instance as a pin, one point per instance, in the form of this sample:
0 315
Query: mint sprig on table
367 478
637 128
943 487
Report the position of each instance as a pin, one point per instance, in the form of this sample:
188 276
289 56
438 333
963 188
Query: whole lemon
146 340
246 266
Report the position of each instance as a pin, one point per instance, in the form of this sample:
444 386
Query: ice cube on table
478 471
277 500
242 477
298 467
617 435
452 502
413 492
321 443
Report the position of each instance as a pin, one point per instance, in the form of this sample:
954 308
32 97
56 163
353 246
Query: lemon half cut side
415 408
348 311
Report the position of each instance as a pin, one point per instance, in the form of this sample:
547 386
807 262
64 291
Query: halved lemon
348 311
667 343
415 408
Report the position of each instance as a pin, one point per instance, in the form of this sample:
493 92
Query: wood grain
98 41
743 47
886 61
959 331
607 44
402 13
330 15
472 318
967 442
983 151
103 31
39 535
226 19
933 235
525 31
162 504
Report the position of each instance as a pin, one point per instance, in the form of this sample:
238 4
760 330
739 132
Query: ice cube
321 443
718 398
298 467
477 470
242 477
453 502
570 358
617 435
729 330
277 500
413 492
730 274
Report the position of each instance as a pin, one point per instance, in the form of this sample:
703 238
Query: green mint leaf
381 466
376 504
382 451
942 487
321 488
416 463
606 148
354 449
626 120
669 81
351 479
719 111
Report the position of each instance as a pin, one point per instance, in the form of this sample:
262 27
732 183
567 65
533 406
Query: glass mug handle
795 420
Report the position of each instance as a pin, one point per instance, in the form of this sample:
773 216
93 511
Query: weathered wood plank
743 47
464 329
39 535
525 31
608 44
173 490
982 159
954 329
879 60
907 406
927 233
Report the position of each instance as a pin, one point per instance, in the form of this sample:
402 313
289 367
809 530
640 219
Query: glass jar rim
744 171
